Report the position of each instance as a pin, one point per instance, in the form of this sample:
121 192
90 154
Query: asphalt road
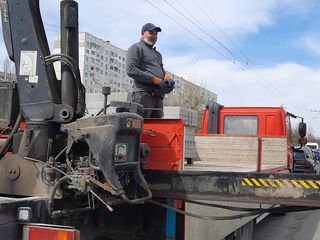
292 226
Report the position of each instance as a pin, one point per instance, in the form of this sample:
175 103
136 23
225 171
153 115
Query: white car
312 145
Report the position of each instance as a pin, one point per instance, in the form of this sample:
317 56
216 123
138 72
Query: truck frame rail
276 188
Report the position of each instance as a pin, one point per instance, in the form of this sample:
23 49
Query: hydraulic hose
53 191
4 147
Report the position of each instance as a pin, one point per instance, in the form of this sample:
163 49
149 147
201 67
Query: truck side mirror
302 129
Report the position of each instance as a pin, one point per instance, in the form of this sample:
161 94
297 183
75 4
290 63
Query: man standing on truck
144 65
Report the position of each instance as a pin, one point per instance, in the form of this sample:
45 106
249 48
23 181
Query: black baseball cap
150 27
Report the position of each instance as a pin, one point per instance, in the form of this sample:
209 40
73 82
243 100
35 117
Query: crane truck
65 176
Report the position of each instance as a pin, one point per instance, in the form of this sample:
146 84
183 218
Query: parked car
304 161
316 153
312 145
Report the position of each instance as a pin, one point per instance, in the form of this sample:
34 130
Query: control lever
105 91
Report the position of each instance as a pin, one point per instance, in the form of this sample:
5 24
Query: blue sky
282 37
283 41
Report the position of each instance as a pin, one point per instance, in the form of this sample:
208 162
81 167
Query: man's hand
156 80
166 84
168 79
163 85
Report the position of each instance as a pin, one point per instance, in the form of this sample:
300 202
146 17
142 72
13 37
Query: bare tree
310 135
192 96
8 69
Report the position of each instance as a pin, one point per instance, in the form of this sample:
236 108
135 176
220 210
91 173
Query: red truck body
271 121
263 122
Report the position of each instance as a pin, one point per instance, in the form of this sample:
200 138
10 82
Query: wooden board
237 153
274 152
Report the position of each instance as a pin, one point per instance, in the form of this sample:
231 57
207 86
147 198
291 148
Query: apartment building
100 64
104 64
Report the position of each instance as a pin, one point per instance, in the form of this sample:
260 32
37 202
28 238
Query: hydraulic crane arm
42 97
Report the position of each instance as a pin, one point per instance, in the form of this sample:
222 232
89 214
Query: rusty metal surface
21 177
285 189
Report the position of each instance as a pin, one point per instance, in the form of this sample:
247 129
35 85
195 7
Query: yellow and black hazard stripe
289 183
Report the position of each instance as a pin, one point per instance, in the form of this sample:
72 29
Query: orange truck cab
262 122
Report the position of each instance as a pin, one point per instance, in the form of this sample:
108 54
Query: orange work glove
156 80
168 75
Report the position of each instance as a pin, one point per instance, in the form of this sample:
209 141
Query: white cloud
290 85
312 43
120 22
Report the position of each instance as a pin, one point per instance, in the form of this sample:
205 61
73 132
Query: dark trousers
152 105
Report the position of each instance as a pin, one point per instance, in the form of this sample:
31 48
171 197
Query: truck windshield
241 125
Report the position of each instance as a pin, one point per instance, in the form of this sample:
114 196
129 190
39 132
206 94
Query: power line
51 25
189 31
221 30
242 53
201 28
269 85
